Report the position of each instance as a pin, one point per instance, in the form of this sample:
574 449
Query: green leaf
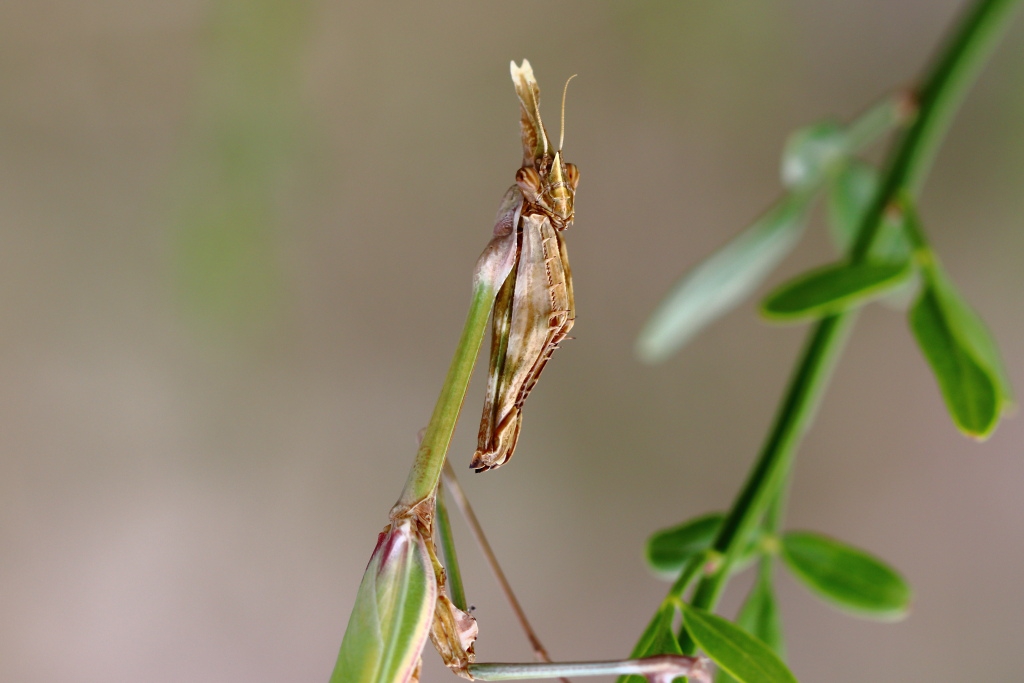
849 196
390 620
668 549
740 654
846 577
971 391
833 288
731 274
956 343
888 113
759 617
723 280
658 639
891 243
812 152
815 152
972 332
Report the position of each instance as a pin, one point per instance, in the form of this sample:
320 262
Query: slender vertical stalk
426 469
492 268
456 589
907 166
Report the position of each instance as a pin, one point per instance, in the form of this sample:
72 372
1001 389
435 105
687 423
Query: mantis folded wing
534 310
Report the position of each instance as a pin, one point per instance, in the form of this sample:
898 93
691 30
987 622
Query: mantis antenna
561 134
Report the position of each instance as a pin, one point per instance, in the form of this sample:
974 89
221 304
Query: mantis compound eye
529 182
572 175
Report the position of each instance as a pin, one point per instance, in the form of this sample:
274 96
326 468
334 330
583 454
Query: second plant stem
906 168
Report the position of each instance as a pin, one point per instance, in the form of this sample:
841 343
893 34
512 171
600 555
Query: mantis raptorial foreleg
657 669
462 502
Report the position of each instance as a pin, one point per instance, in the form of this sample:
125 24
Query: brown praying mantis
534 309
524 273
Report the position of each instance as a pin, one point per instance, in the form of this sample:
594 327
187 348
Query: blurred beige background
237 238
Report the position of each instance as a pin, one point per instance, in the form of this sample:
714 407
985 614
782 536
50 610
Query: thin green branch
939 96
426 470
451 559
906 168
769 471
492 268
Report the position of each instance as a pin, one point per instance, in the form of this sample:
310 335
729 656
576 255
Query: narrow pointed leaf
668 549
729 276
849 195
846 577
971 392
812 152
891 243
657 639
815 152
741 655
972 332
390 620
956 343
759 617
833 288
889 112
723 280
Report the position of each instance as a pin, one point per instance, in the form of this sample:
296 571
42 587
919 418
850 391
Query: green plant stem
426 469
769 473
906 169
451 558
938 98
777 509
691 570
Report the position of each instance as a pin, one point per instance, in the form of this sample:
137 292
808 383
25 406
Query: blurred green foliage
243 134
